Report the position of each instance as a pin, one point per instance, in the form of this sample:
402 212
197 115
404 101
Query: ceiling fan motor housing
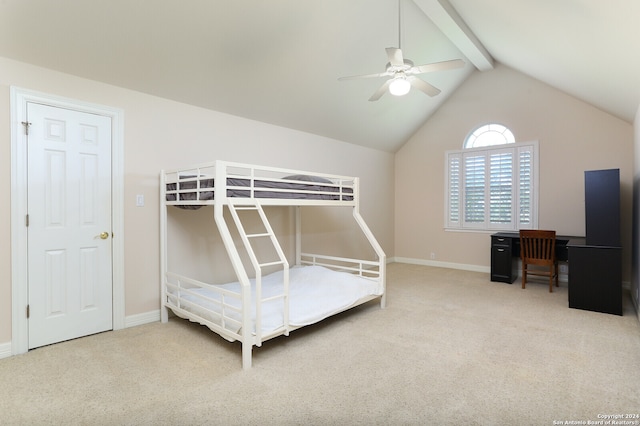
399 68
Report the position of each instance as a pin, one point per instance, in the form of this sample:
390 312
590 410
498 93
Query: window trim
473 136
487 226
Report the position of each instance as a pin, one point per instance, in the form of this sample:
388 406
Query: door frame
19 186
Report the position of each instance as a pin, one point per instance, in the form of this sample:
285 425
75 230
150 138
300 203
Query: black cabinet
595 263
595 278
504 265
602 207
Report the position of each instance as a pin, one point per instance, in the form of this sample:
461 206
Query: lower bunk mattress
315 293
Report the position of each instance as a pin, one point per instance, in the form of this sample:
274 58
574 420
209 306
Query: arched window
491 184
489 135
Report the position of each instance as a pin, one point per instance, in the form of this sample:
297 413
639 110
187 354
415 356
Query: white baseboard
140 319
439 264
5 350
130 321
461 266
562 277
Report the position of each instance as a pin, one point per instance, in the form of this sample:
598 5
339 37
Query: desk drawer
504 266
501 241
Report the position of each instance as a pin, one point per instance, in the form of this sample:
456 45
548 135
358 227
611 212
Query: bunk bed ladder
247 238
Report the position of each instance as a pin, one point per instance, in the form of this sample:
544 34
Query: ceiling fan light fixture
399 86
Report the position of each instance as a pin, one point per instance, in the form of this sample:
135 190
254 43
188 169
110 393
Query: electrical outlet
563 269
433 255
140 200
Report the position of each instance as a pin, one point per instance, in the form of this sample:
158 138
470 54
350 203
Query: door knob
104 235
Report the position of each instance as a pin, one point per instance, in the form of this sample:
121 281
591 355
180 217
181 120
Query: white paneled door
69 224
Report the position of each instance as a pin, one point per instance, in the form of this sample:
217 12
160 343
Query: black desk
505 252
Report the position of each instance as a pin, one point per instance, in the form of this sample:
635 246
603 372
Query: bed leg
383 301
246 355
164 314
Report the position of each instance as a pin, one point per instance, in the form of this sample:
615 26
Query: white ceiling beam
445 17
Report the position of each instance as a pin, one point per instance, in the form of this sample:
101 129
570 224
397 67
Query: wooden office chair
538 254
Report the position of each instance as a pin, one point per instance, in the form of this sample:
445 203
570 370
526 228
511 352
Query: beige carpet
450 348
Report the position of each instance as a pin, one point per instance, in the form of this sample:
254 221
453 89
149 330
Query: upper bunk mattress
302 187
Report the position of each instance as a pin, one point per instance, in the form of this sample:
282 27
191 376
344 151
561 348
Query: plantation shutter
492 188
501 188
525 187
474 189
453 185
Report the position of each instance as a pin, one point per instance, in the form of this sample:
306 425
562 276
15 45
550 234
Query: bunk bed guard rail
208 183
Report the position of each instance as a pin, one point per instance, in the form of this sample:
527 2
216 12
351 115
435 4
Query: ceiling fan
402 72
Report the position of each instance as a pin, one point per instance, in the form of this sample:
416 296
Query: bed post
164 313
298 219
246 355
236 261
382 257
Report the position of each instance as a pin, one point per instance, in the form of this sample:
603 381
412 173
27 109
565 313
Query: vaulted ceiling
279 61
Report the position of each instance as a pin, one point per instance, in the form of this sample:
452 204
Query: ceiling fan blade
423 86
353 77
381 91
438 66
395 56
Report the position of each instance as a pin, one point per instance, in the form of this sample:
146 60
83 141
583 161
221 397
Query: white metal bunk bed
267 305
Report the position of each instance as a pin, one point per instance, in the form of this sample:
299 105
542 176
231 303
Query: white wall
573 137
158 134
